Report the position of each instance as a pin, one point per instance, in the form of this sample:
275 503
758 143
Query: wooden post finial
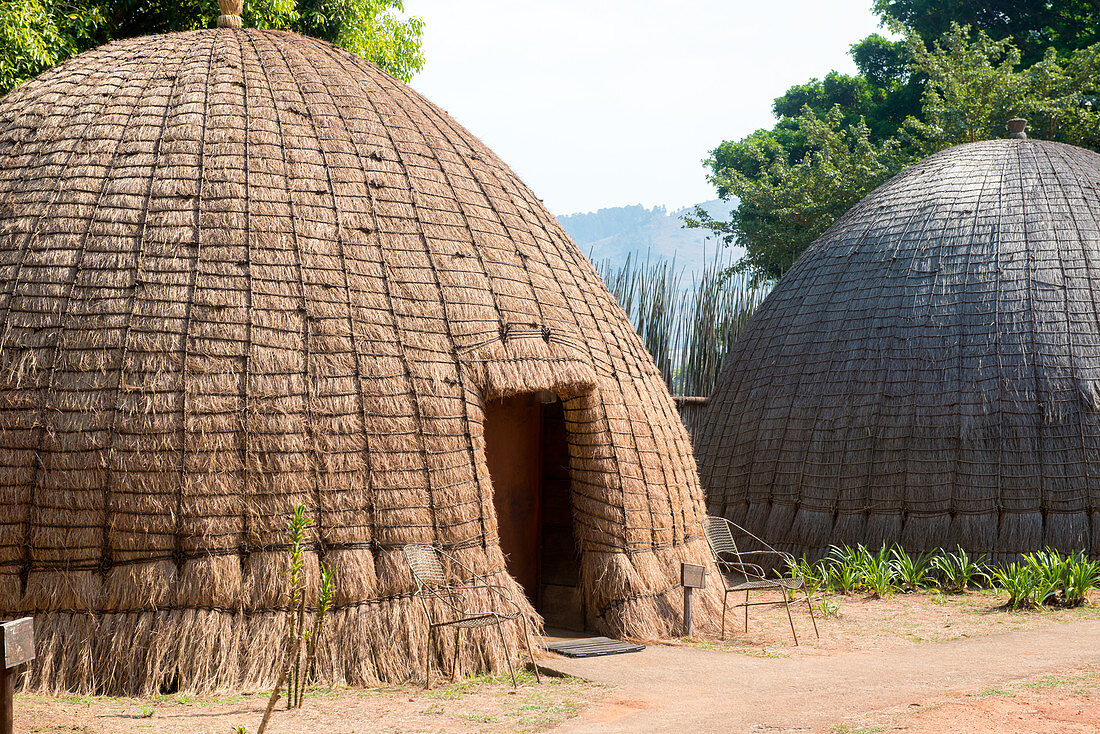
230 13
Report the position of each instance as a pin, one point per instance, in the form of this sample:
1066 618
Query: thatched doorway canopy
242 271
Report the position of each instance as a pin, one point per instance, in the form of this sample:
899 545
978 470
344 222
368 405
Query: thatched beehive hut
929 370
247 270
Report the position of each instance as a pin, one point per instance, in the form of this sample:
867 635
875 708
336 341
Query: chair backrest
719 538
426 565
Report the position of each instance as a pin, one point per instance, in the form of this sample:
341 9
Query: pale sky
603 103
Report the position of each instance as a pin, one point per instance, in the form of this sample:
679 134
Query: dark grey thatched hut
929 370
242 271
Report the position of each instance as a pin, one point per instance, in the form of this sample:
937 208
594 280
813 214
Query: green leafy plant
839 137
1079 576
912 572
877 570
843 571
37 34
1047 568
827 608
1018 581
814 574
302 637
957 571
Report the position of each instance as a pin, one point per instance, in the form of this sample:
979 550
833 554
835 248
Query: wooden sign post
692 577
16 648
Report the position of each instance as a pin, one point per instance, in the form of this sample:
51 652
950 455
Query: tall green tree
974 83
784 206
794 181
1033 26
37 34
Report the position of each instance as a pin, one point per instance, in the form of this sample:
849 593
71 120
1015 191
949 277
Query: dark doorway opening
528 456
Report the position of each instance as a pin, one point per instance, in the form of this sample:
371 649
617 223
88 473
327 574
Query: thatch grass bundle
244 271
927 373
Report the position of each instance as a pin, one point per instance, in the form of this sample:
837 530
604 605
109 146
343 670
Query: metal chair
739 575
427 565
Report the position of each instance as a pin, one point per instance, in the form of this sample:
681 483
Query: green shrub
843 571
1080 575
1043 577
814 574
1020 582
911 572
877 571
957 572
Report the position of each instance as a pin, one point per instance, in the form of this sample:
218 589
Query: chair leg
787 603
507 655
454 665
530 654
810 606
724 597
746 612
428 661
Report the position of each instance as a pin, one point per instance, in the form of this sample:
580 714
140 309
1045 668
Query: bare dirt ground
487 704
1064 703
919 663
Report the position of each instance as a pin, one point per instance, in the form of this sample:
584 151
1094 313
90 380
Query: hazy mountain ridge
615 232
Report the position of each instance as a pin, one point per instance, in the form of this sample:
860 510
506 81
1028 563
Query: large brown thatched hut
246 270
929 370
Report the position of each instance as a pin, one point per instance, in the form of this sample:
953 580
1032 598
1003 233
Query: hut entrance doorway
528 456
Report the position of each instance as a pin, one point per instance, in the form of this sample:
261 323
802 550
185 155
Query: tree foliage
37 34
975 83
911 99
787 205
1033 26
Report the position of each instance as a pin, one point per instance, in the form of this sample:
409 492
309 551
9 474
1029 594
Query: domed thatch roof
927 372
246 270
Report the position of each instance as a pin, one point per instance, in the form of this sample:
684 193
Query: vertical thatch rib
927 372
246 270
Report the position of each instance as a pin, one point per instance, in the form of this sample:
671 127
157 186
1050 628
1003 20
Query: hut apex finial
1016 127
230 13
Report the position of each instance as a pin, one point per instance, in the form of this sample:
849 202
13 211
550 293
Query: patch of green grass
850 729
478 718
543 714
764 653
463 686
992 692
1050 681
186 699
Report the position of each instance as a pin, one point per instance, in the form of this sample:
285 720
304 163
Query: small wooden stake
687 611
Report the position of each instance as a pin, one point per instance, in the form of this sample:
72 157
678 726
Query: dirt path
923 663
696 690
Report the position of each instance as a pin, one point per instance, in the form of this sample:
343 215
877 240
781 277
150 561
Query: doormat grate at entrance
591 647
